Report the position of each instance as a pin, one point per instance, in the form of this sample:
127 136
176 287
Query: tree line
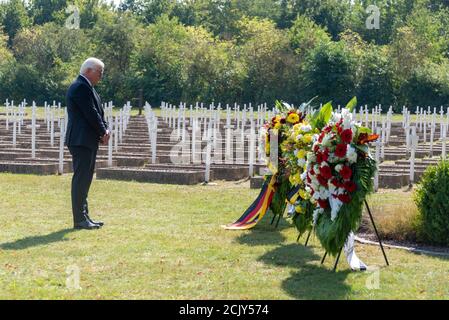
230 50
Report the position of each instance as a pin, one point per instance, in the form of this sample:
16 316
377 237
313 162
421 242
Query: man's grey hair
91 63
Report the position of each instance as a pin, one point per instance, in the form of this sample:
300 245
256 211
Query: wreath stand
279 216
339 254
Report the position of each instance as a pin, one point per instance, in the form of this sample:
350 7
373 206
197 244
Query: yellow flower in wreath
307 138
297 129
303 194
267 147
293 118
299 209
295 178
301 154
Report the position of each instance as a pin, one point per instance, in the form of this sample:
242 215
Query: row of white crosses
152 123
15 115
172 115
117 126
55 115
414 139
426 120
205 124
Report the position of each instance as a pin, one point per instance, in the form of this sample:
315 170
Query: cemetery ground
165 242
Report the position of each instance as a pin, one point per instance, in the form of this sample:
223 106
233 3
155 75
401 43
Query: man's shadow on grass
265 233
311 280
34 241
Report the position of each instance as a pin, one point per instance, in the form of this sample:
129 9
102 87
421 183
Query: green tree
217 16
428 85
44 11
330 74
305 35
269 60
160 63
376 78
331 14
115 43
213 72
53 52
13 18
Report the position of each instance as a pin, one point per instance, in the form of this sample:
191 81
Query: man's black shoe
87 225
100 223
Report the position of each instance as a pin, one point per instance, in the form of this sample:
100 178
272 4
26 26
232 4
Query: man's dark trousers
83 171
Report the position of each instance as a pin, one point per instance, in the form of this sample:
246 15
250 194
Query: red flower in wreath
335 182
322 180
322 156
345 198
341 149
327 129
346 136
339 128
326 172
346 173
365 138
350 186
321 137
323 203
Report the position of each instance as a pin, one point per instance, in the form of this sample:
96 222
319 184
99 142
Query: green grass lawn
165 242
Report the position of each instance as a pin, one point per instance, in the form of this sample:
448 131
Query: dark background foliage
230 50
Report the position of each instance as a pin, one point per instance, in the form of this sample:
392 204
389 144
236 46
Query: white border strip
411 249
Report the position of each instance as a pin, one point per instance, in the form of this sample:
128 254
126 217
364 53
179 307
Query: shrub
432 200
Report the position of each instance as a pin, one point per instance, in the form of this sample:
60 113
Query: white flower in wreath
335 117
332 158
351 154
303 176
331 187
335 205
324 192
301 162
347 119
316 213
338 167
324 164
306 128
311 158
327 140
299 137
315 184
308 166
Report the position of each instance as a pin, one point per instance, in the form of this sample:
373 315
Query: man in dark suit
86 129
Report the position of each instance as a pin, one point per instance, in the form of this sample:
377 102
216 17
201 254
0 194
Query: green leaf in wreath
351 104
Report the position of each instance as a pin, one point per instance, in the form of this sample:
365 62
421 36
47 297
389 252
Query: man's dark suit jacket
86 124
